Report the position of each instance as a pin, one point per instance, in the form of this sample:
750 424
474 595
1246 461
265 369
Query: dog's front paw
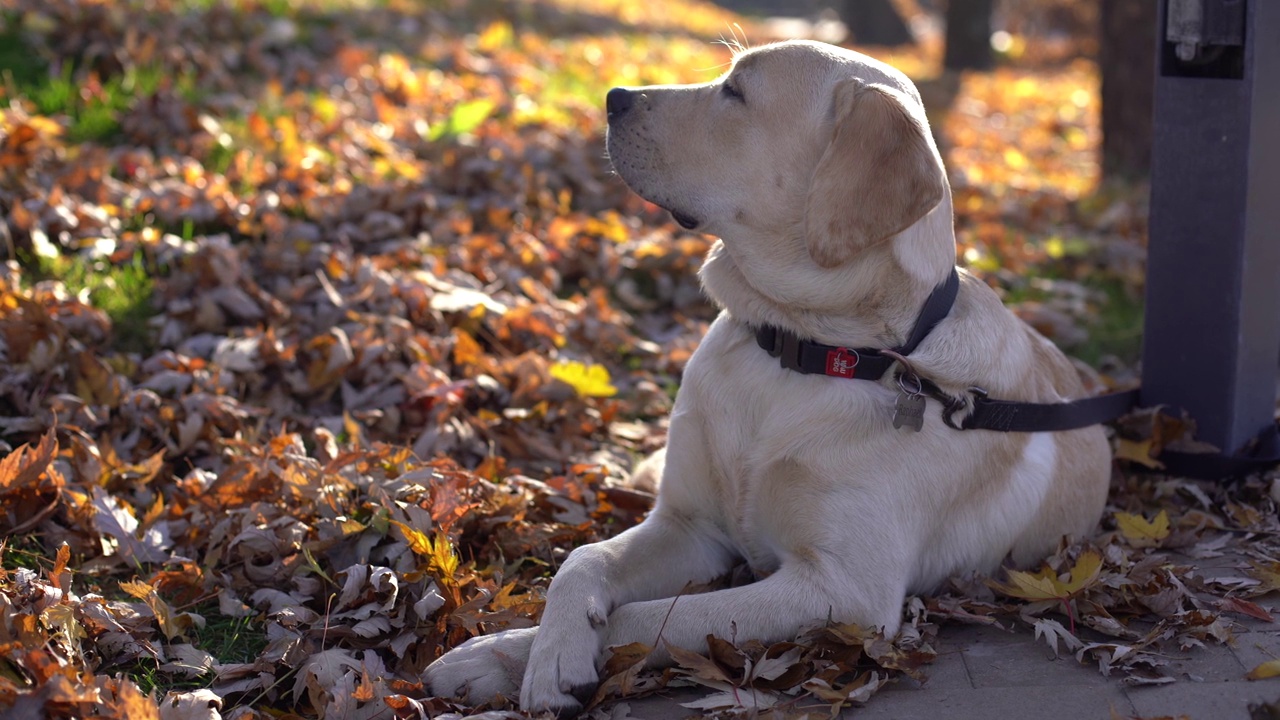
561 676
482 668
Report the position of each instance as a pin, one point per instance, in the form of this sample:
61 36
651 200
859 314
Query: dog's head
797 138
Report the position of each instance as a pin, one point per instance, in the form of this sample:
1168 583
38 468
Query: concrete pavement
988 674
985 673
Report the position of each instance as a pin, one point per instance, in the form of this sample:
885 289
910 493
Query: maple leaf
1143 533
61 617
1142 452
1046 585
26 464
1267 574
419 542
172 623
587 380
438 551
1053 632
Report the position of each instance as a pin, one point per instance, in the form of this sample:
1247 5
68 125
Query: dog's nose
618 101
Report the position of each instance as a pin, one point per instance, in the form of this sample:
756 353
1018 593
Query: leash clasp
955 404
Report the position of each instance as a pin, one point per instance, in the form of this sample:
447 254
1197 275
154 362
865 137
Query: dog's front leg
657 558
776 608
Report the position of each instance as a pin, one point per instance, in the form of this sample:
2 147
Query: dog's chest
767 429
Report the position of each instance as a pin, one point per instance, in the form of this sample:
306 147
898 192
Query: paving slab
1063 702
1254 648
1000 658
1209 663
1201 701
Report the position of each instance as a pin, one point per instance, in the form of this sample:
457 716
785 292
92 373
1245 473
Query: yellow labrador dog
815 167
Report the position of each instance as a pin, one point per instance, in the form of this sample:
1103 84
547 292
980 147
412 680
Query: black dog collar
812 358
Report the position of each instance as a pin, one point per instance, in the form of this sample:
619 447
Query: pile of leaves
326 333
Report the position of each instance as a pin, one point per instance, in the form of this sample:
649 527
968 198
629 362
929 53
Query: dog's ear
877 177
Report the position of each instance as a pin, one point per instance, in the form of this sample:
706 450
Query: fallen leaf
1268 669
1045 585
587 380
1143 533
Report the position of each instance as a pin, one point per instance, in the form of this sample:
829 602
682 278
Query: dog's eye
733 92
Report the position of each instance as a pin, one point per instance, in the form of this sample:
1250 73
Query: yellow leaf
137 589
170 622
1030 586
466 351
1138 451
1266 573
63 618
1268 669
1142 533
497 35
1087 568
419 543
441 559
587 380
45 126
1045 584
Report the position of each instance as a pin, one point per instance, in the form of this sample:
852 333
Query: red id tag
842 362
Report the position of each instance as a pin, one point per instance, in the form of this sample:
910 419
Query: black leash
1011 416
981 412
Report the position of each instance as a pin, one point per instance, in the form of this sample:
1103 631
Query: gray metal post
1212 335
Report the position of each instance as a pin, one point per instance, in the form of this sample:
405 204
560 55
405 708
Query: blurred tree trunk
875 22
968 35
1126 53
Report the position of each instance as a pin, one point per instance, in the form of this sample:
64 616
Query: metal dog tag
908 411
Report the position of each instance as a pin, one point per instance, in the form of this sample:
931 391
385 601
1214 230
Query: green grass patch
92 105
231 639
24 552
1113 321
1116 328
227 639
95 107
1113 325
123 291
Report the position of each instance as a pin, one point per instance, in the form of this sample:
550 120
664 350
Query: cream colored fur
835 217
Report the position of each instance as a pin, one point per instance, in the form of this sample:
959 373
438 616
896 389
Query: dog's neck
871 301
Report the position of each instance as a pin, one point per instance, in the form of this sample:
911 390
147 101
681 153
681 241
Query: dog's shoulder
983 343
